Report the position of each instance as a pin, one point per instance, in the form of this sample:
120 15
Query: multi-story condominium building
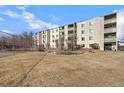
106 31
43 38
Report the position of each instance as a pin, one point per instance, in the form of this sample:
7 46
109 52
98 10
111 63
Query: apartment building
43 38
106 31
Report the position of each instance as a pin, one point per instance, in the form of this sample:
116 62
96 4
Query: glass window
82 31
70 32
82 38
83 45
90 38
91 31
70 25
82 25
90 23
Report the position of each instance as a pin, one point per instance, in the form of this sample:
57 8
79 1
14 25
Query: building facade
54 38
105 31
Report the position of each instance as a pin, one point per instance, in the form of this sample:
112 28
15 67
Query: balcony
107 21
61 28
109 30
109 40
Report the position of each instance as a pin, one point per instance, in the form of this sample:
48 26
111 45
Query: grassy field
37 69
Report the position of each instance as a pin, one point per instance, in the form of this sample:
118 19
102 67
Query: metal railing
110 21
108 30
112 39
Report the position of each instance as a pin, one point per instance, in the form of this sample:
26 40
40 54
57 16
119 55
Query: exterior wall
37 39
92 28
61 37
44 41
40 38
54 38
48 38
67 35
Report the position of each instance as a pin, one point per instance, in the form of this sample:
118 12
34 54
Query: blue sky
17 19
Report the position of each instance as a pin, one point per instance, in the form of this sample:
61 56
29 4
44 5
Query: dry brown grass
88 69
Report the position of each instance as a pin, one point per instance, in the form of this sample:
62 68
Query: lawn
35 69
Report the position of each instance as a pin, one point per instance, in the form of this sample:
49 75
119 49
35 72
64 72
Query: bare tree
13 42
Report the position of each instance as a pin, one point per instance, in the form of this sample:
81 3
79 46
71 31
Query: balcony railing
110 21
113 39
109 30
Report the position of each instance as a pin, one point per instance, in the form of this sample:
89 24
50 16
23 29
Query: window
53 41
61 28
52 45
70 32
82 38
90 23
82 31
71 25
82 25
53 36
44 36
83 45
56 35
70 38
91 31
62 33
90 38
56 30
53 31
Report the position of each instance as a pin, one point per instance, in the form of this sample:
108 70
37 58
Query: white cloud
30 19
22 7
11 13
54 18
6 31
35 23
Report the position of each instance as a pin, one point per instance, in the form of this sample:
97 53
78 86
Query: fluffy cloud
6 31
29 18
35 23
11 13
